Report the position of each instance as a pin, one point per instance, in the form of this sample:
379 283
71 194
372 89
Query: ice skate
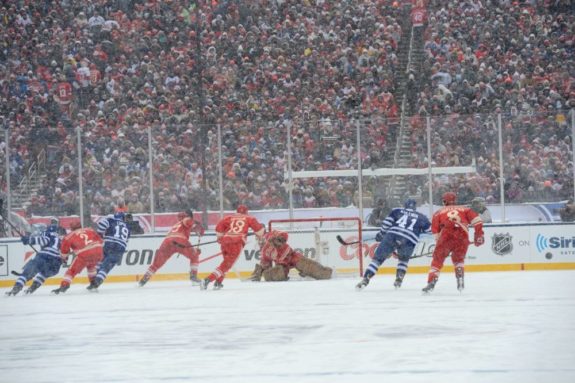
430 286
398 278
361 285
15 290
459 275
218 285
33 288
204 284
93 287
143 281
61 289
195 280
460 284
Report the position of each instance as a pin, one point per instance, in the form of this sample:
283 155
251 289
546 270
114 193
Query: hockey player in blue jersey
116 234
400 233
45 264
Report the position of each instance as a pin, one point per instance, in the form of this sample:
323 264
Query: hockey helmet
75 225
410 204
186 213
120 215
278 236
478 202
242 209
54 224
449 198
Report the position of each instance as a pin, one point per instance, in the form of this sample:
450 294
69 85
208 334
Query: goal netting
317 239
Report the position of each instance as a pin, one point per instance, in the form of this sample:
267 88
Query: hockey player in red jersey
87 245
231 232
177 241
277 258
450 225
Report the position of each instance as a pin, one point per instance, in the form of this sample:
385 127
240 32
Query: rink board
507 247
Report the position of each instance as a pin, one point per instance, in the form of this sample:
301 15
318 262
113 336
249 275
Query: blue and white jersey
405 223
115 232
49 242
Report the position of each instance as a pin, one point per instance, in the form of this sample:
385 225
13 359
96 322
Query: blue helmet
410 204
53 226
119 215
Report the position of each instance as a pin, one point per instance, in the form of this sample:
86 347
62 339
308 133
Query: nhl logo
502 244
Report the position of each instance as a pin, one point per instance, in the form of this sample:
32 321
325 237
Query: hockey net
317 239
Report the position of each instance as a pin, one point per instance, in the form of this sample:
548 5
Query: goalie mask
278 238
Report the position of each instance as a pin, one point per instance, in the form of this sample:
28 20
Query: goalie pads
275 274
311 268
257 274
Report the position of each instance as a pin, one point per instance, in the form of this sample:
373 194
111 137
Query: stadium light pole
7 156
202 121
289 170
501 179
573 147
220 171
151 180
80 172
429 169
359 169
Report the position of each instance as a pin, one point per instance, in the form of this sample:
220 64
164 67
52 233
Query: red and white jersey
81 241
183 229
283 255
235 227
455 220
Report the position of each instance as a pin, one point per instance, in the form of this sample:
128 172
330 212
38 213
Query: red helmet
75 225
186 213
449 198
242 209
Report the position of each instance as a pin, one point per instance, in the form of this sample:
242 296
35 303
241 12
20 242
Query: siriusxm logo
544 243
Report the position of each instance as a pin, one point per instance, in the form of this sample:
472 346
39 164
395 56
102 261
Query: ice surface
505 327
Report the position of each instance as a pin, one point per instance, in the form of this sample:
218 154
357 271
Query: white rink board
505 244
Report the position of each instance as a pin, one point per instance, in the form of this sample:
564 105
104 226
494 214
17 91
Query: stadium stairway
398 185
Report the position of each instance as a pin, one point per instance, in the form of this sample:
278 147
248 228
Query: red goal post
317 239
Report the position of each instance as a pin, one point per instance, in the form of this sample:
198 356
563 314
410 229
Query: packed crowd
516 59
180 70
118 68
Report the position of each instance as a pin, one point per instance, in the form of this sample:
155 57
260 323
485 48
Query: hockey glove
479 239
379 237
25 239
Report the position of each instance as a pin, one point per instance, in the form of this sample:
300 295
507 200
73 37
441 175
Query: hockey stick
340 240
192 246
203 243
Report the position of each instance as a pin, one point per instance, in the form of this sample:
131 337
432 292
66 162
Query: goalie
277 258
